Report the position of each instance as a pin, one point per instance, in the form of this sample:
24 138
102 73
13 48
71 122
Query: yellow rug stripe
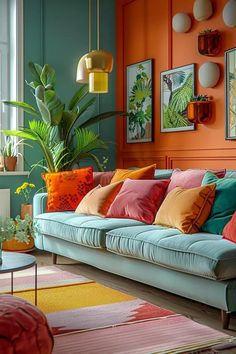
74 296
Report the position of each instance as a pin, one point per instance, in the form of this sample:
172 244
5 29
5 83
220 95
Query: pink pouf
23 328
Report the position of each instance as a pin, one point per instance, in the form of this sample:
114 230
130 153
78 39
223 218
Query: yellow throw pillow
186 209
142 173
99 199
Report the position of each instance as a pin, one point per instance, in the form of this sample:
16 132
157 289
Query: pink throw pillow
190 178
138 200
229 231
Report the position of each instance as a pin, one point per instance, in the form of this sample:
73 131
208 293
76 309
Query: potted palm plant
63 137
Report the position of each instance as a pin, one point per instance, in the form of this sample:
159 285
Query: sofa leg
225 318
54 258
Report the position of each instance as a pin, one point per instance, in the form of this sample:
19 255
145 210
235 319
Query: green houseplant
10 153
62 136
15 229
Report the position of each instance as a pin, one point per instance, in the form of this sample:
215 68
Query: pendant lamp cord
89 26
98 25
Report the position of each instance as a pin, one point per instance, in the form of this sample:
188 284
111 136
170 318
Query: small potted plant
10 153
199 109
25 191
209 42
16 230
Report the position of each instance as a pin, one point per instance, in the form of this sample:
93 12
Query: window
11 63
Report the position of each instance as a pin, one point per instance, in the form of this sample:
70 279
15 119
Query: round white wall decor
229 13
202 9
209 74
181 22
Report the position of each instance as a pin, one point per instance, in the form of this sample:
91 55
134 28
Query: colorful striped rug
89 318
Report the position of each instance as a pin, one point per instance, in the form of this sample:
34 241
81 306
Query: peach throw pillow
99 199
186 209
142 173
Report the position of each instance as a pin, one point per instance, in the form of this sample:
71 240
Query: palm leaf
182 95
78 96
48 76
24 133
100 117
54 106
25 106
36 71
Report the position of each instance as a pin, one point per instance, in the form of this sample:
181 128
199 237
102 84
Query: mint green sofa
200 266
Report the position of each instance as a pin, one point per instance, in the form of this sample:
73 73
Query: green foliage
173 119
140 110
16 229
199 98
10 148
61 135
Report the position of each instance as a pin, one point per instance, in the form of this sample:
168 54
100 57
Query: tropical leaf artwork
139 102
230 93
177 88
232 103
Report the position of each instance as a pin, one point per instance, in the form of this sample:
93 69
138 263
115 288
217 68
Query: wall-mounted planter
199 111
209 43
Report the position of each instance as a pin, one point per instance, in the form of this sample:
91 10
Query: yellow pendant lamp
95 66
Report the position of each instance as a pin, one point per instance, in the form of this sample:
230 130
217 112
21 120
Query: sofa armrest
39 203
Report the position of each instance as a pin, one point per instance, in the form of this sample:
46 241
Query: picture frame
230 94
139 99
177 89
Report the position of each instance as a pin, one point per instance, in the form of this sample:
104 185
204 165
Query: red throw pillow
102 178
67 189
190 178
138 200
229 231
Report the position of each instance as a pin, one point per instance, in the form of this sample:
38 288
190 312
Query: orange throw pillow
67 189
186 209
142 173
99 199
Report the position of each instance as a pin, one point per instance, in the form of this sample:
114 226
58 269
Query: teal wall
56 32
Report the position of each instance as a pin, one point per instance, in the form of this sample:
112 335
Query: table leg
11 283
35 285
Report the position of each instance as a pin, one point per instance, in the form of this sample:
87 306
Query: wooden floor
198 312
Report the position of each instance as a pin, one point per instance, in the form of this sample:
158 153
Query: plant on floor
64 138
15 229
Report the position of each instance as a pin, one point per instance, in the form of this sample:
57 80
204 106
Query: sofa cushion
138 200
141 173
79 228
224 205
186 209
202 254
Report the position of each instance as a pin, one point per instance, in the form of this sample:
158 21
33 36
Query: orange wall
144 31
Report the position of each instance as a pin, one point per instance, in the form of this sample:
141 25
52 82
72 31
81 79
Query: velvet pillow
229 231
186 209
102 178
138 200
141 173
190 178
99 199
224 205
66 189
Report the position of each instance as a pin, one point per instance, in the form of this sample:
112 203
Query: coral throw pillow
186 209
67 189
142 173
102 178
99 199
138 200
229 231
190 178
224 205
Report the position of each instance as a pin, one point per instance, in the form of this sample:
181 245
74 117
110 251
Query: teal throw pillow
224 205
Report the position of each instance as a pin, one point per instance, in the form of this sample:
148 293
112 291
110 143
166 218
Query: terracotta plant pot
209 43
10 163
26 209
18 246
199 111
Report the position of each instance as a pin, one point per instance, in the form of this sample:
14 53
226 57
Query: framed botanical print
230 93
177 88
139 102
